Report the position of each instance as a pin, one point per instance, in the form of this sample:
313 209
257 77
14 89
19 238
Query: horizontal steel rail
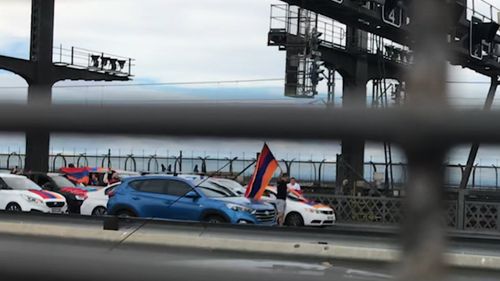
426 126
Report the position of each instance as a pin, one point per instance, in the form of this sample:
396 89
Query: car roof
155 177
33 173
125 171
40 173
11 176
223 180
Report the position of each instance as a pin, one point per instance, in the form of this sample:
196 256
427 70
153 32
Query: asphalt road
24 258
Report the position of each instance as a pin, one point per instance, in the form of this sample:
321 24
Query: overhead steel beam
62 73
351 13
21 67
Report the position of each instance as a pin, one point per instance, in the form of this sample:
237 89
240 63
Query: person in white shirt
294 185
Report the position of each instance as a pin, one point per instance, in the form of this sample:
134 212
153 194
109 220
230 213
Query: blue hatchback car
174 198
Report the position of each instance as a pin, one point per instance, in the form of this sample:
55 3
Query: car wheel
125 214
99 212
294 219
214 219
13 207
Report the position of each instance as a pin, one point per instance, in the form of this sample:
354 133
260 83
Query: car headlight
313 211
32 199
80 197
239 208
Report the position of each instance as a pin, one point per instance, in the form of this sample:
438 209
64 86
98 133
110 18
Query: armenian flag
77 175
264 171
81 175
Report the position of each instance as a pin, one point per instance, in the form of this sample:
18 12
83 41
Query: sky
174 41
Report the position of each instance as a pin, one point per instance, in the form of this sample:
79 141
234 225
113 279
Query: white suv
19 194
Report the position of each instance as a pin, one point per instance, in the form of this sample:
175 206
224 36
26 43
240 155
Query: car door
150 198
183 208
4 195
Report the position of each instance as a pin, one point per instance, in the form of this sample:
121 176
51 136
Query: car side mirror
192 194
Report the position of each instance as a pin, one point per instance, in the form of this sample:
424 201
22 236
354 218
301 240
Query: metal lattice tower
473 42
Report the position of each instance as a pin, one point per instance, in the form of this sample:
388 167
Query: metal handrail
471 7
84 157
59 155
488 181
331 33
157 164
20 160
82 58
131 157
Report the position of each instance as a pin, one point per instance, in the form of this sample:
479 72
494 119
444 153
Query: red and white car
19 194
301 211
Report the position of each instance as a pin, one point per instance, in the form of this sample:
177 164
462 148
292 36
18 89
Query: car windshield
233 186
20 183
296 197
291 196
214 191
62 181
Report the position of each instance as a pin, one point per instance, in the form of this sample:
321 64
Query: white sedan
19 194
96 202
301 211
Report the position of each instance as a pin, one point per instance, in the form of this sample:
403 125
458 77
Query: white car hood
43 195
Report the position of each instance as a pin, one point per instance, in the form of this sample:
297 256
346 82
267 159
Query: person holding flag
282 194
264 171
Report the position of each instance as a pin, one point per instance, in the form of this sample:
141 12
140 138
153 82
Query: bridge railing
482 216
93 60
477 215
309 172
300 22
483 10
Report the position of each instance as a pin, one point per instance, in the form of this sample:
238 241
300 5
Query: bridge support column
40 87
38 141
351 168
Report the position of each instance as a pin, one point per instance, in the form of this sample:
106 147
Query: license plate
330 218
56 210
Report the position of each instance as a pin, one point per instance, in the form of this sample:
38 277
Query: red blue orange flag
264 171
77 175
81 175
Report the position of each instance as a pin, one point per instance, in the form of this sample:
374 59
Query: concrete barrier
236 240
